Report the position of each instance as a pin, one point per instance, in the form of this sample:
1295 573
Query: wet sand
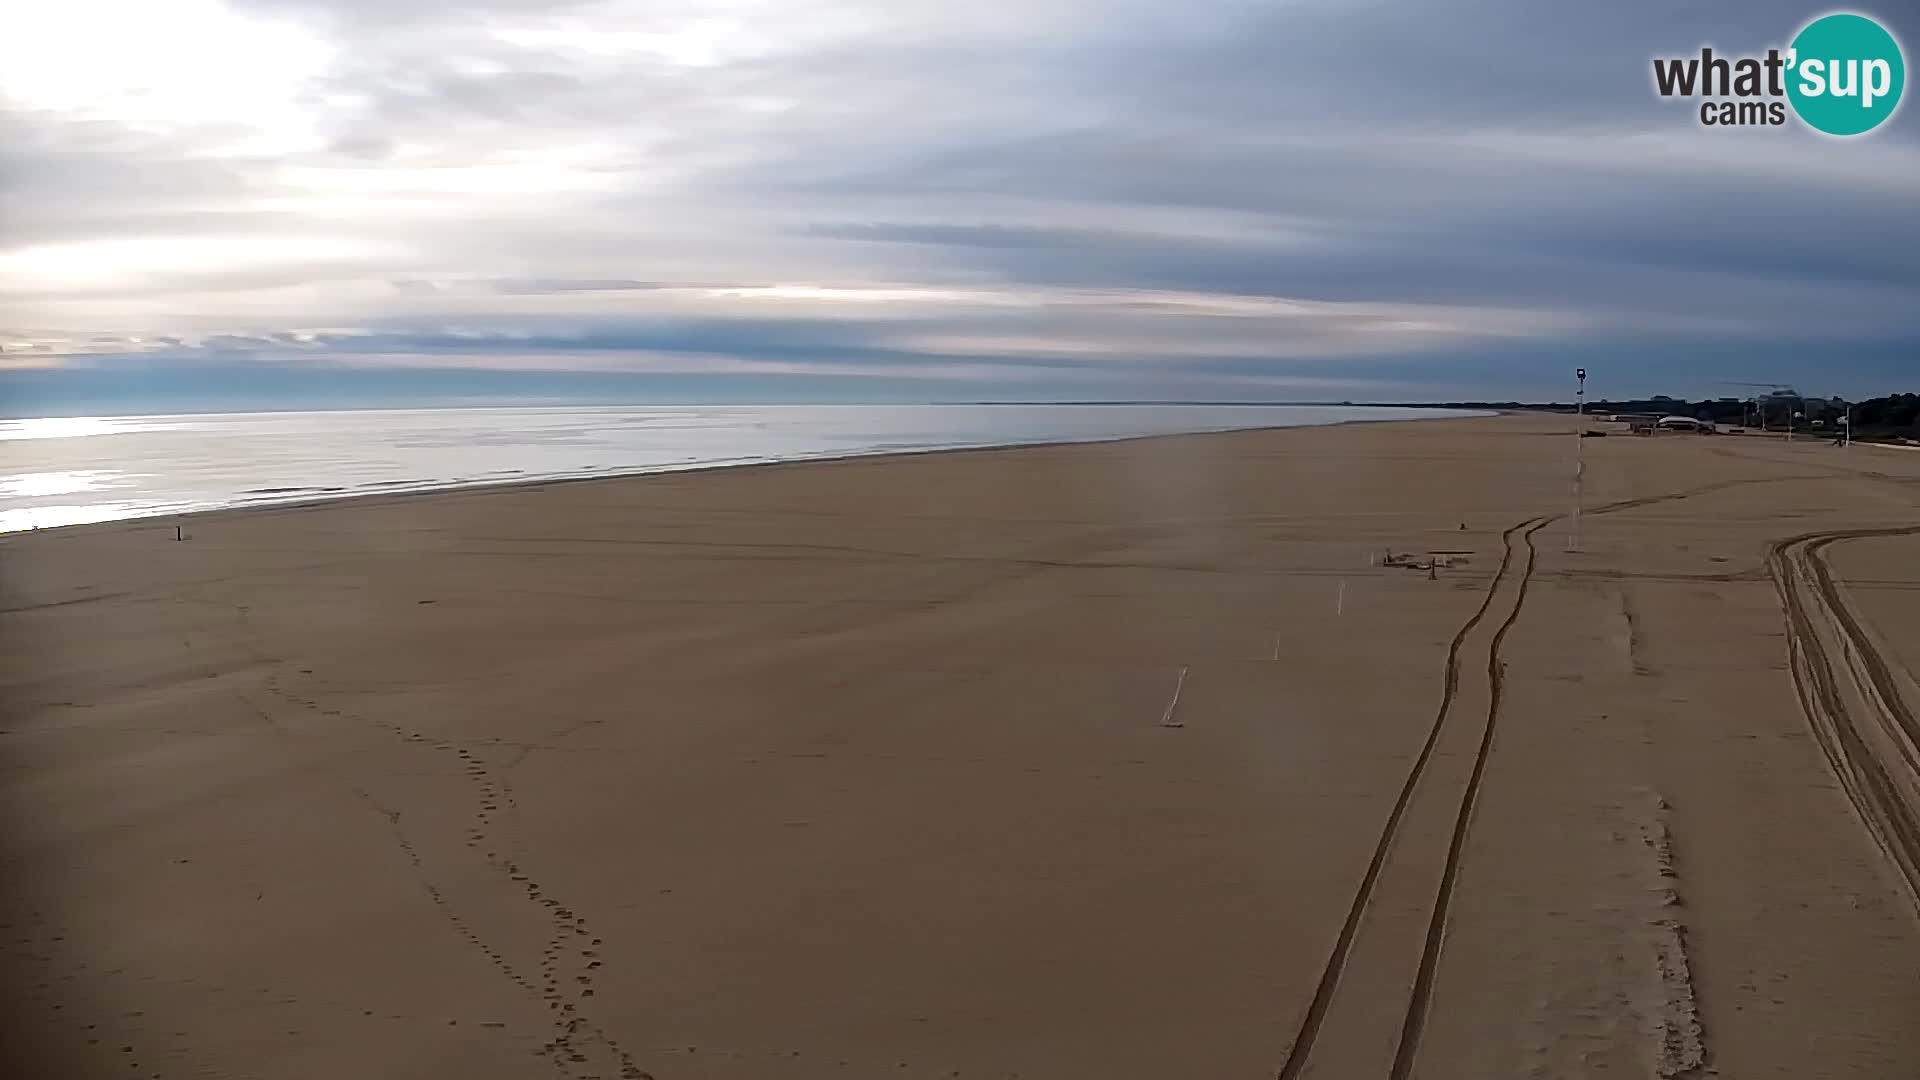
868 768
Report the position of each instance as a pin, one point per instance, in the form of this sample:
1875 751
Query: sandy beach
1126 759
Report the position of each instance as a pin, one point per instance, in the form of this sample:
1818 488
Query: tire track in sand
1322 1000
1421 1002
1883 786
1418 1007
1904 729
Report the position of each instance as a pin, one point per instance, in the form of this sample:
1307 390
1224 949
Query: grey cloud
1499 64
1507 157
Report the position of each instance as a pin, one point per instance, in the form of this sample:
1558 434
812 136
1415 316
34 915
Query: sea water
74 470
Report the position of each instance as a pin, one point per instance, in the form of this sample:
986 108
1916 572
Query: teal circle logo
1845 74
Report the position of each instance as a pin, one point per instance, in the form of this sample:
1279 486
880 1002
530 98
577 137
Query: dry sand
864 769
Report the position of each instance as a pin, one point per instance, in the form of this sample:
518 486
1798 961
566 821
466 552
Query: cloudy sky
311 202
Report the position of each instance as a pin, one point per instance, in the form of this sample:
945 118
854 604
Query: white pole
1579 453
1167 719
1340 603
1849 441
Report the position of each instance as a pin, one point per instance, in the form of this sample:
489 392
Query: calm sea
69 471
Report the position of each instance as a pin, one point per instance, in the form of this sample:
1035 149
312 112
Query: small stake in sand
1340 602
176 533
1167 719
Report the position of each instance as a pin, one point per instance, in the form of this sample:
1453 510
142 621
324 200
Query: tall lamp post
1579 452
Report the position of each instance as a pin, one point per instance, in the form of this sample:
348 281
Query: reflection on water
73 427
30 485
68 471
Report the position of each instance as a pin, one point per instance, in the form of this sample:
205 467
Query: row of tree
1895 414
1892 416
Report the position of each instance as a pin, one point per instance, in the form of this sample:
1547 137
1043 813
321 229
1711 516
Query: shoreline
439 488
511 407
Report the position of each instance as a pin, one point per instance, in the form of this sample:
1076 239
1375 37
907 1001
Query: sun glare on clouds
107 261
160 67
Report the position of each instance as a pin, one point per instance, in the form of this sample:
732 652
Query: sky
320 203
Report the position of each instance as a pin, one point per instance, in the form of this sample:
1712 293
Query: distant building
1779 406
